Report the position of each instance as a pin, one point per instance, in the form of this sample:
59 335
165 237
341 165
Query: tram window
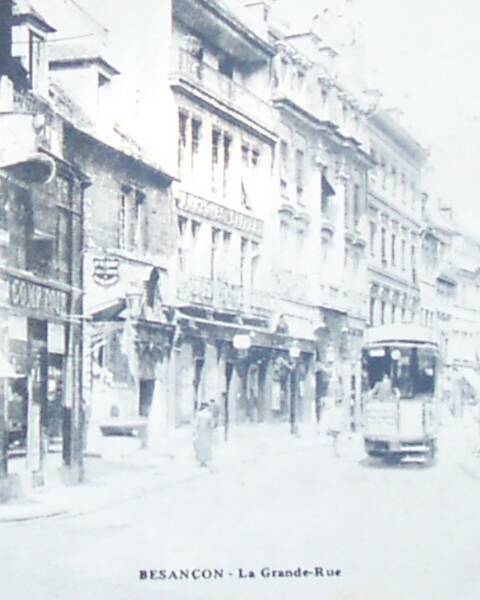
425 380
378 363
412 370
402 372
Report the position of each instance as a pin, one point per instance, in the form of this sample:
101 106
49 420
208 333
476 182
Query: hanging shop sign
106 270
37 298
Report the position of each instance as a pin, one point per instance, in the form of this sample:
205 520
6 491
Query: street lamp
242 342
294 352
134 301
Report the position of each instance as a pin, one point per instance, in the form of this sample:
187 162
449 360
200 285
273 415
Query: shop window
117 356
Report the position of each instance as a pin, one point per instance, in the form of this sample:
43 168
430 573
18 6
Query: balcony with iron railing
188 70
343 299
224 296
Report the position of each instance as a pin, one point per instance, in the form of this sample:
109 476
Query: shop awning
108 311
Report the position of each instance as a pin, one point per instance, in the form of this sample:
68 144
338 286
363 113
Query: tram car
401 370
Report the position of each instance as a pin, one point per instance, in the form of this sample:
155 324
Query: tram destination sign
38 298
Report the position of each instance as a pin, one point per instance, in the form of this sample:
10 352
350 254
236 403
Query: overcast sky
425 56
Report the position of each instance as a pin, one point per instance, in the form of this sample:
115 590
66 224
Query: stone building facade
221 219
395 221
41 208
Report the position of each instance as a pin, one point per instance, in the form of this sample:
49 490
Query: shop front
39 396
254 376
127 350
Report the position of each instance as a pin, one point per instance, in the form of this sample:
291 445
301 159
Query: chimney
260 9
6 10
445 209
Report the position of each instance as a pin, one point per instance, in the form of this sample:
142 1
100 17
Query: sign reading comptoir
37 298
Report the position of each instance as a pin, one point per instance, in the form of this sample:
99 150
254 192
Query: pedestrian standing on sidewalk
203 435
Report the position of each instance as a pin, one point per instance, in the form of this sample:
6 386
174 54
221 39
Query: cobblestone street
404 532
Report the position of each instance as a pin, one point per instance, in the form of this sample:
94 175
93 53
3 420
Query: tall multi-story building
462 356
41 220
323 205
256 212
395 221
129 243
271 154
234 331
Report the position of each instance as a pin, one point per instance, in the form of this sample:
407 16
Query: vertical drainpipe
5 36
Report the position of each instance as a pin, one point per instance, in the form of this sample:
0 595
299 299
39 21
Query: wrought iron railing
238 97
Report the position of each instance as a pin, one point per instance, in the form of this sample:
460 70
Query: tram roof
409 333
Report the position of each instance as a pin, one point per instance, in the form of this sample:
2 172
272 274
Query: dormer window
29 34
36 51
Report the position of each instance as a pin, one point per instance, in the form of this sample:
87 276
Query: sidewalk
126 472
459 443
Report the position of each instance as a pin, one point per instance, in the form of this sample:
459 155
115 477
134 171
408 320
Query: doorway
145 396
